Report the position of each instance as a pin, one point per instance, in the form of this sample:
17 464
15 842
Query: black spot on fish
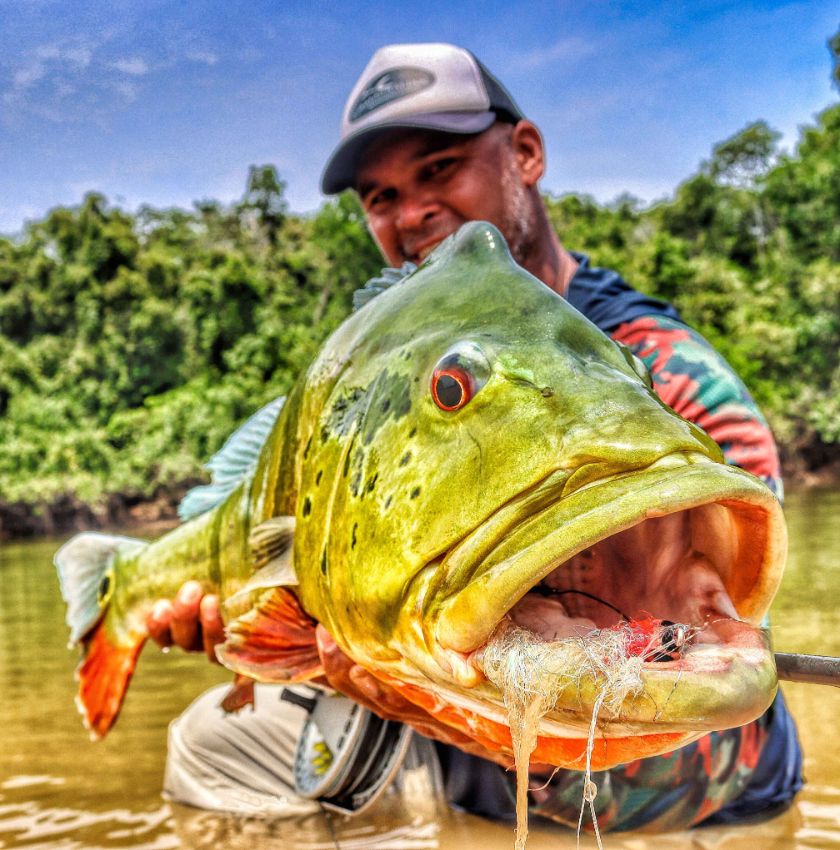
346 465
391 391
318 477
371 483
307 506
412 432
347 410
388 502
306 448
104 586
353 538
405 458
324 562
415 492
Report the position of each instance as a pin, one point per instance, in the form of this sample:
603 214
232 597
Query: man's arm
694 380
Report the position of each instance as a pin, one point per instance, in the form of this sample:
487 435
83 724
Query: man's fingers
158 623
366 683
185 615
212 627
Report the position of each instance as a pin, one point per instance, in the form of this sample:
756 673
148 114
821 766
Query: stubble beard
520 224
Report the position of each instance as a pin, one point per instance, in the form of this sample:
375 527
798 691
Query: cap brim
340 171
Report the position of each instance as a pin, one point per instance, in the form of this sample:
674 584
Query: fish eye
104 589
458 376
452 388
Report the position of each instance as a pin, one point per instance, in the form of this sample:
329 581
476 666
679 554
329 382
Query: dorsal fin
233 462
387 278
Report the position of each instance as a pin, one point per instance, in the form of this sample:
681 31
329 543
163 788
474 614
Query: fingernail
190 592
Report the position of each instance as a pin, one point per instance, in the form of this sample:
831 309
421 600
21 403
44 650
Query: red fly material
652 639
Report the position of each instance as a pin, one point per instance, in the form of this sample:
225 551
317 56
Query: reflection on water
59 791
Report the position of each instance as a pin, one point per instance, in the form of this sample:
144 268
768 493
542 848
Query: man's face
419 186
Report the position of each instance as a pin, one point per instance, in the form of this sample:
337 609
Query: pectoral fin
271 553
273 642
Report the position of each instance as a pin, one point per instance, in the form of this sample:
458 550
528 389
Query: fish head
475 454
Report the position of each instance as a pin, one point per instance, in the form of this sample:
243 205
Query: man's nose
414 212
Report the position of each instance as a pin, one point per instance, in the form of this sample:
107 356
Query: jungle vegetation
132 344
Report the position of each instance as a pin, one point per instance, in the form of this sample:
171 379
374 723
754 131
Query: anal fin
240 694
273 642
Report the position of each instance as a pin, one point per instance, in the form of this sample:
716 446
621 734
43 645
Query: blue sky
166 103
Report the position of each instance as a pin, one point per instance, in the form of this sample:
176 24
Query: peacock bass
467 455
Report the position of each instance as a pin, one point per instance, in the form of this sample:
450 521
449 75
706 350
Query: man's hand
192 621
355 682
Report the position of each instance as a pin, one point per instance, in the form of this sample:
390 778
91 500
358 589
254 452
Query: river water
59 790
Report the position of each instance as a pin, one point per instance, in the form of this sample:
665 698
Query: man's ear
529 151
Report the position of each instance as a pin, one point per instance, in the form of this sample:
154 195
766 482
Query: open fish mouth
686 554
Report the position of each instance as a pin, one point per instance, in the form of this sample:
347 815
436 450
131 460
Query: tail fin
103 674
85 567
84 572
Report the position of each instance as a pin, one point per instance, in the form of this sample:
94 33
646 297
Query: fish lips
725 683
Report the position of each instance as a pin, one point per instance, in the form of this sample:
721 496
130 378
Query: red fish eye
452 387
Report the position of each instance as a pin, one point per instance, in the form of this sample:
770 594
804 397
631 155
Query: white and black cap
428 86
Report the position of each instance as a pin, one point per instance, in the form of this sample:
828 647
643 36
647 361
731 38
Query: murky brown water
60 791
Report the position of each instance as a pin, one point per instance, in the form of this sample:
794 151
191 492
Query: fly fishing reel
346 755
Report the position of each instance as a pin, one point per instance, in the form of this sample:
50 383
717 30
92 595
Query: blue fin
235 461
387 278
83 563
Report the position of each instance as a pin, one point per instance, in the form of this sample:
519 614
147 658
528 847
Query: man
431 140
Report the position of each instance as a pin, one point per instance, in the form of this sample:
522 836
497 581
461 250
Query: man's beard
519 226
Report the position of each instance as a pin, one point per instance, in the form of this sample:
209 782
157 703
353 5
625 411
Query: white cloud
568 50
203 56
74 55
134 66
25 77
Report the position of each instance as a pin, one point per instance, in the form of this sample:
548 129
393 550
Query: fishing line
544 590
328 818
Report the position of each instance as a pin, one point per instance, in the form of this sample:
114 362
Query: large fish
466 453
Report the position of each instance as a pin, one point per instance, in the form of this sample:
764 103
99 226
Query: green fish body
466 453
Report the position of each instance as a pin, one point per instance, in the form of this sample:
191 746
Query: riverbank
67 513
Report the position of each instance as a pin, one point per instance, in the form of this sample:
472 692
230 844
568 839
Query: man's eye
379 199
439 166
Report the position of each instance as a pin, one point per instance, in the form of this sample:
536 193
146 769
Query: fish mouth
694 547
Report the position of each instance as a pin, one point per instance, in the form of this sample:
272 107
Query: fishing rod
813 669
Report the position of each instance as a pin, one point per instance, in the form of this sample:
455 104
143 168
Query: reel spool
345 755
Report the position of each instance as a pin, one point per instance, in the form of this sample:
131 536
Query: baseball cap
428 86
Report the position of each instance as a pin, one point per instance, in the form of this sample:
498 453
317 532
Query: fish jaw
725 678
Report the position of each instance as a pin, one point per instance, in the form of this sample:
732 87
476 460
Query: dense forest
132 344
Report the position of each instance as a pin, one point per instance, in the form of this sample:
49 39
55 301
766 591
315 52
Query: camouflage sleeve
682 788
664 793
693 379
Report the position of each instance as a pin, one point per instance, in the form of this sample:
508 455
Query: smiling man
431 140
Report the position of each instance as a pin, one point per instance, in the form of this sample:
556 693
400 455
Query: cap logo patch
390 86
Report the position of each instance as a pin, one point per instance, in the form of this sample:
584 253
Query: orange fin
273 642
104 674
241 693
